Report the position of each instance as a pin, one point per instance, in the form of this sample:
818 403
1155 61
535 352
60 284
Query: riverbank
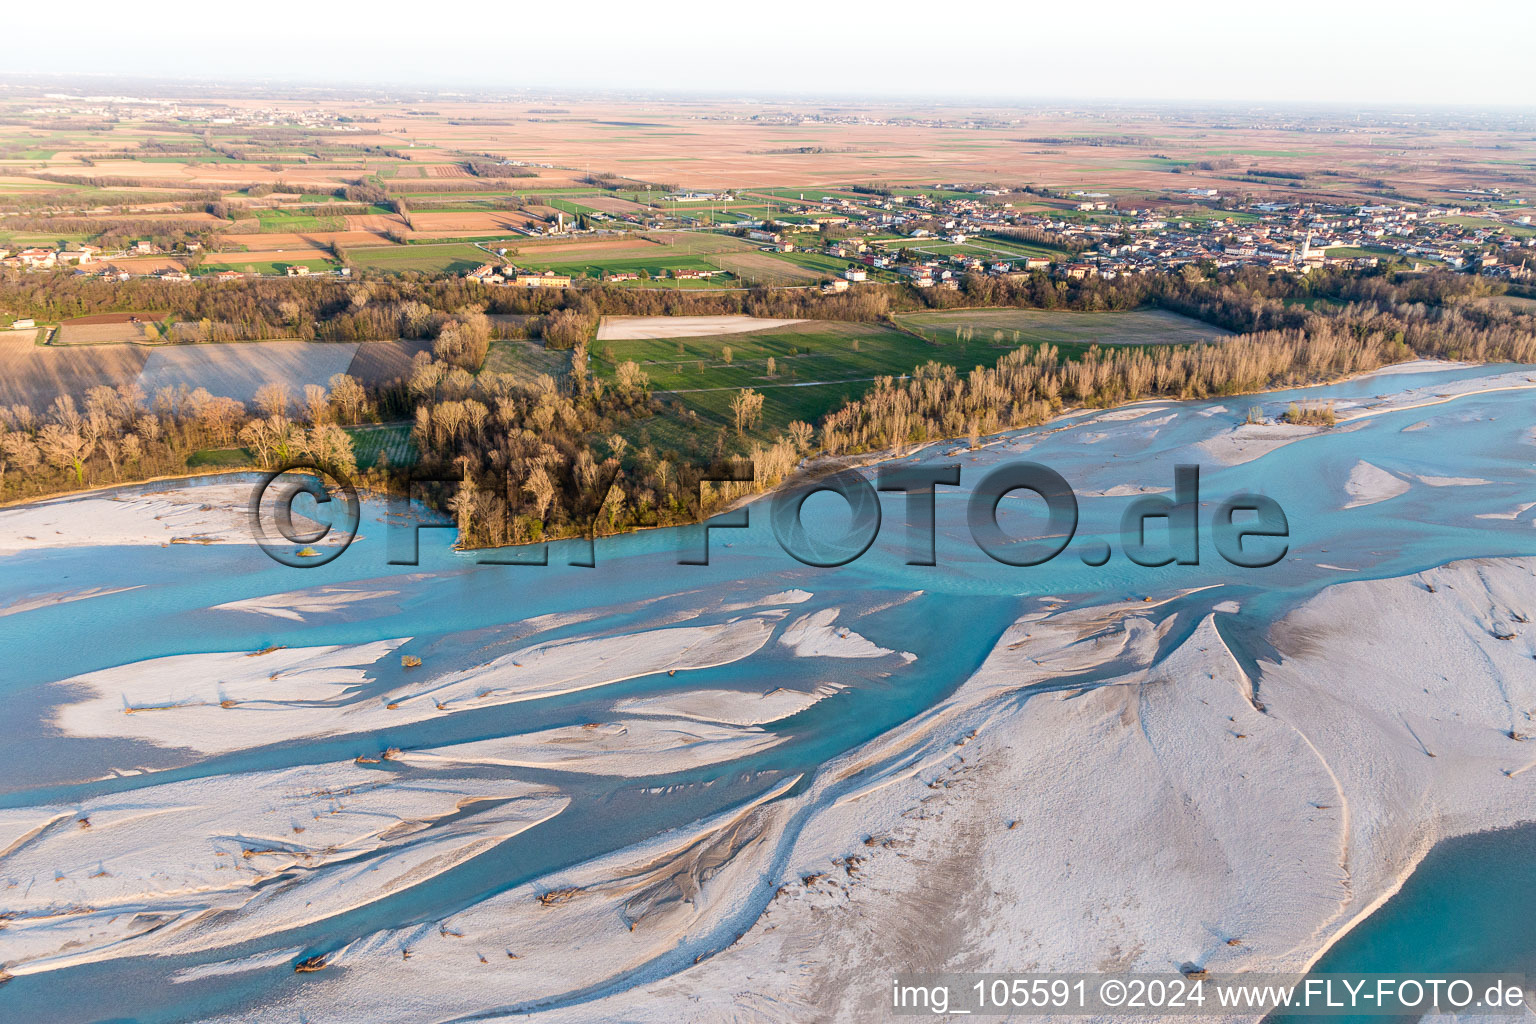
188 524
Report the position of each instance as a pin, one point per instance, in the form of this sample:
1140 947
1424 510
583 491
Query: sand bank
631 749
195 864
816 636
1370 484
730 707
205 514
222 702
297 604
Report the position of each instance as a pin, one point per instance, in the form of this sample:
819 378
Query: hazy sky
1295 50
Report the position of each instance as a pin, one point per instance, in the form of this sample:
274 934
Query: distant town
495 190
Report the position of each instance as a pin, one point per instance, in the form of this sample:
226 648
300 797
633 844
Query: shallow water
459 613
1466 909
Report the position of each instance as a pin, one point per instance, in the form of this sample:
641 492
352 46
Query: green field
1467 221
568 206
21 239
982 246
1057 327
525 360
1012 246
822 364
448 258
832 266
295 220
390 439
819 366
656 266
221 458
232 261
1351 252
1201 214
689 251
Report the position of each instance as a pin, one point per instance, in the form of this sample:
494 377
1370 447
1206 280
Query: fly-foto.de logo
305 516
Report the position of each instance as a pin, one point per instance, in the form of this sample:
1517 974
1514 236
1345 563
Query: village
934 243
935 239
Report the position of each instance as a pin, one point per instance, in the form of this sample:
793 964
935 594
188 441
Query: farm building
548 279
485 273
37 258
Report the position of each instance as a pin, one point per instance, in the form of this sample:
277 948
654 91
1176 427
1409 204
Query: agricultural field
109 328
239 369
274 185
101 334
1351 252
754 268
1515 303
818 365
654 255
390 442
1014 327
269 268
677 145
20 239
525 360
34 375
298 220
443 224
820 264
655 266
982 247
1515 229
452 258
384 362
213 459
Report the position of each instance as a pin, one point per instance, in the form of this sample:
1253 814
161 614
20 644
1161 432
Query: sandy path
632 328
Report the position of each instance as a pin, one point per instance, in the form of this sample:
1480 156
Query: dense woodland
383 306
527 460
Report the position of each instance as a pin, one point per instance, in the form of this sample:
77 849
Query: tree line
533 459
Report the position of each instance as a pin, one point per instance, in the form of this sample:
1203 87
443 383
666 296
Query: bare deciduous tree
746 408
65 448
272 399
